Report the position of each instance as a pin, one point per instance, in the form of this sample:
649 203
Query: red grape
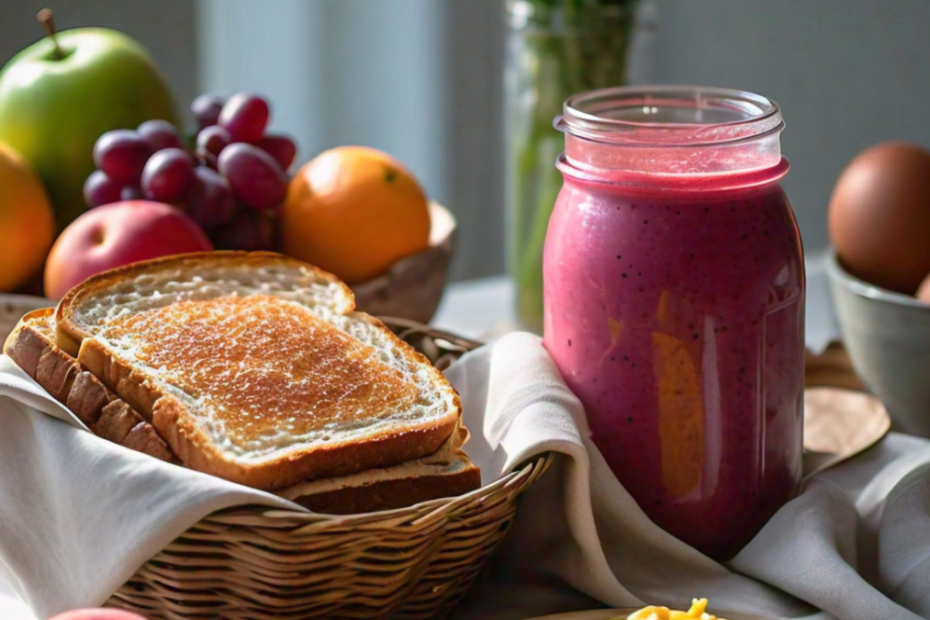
122 153
244 116
131 192
265 230
210 202
160 135
99 189
206 109
256 178
212 140
239 234
168 175
208 160
282 148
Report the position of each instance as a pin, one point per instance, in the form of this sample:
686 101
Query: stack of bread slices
255 368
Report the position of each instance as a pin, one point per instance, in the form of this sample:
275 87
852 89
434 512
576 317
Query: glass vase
555 48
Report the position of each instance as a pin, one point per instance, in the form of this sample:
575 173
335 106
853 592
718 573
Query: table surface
483 309
477 309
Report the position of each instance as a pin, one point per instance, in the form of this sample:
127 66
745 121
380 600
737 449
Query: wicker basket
256 563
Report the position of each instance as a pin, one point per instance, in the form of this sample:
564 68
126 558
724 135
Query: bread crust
69 335
31 347
25 344
34 353
447 473
116 421
88 397
143 438
57 373
390 494
178 426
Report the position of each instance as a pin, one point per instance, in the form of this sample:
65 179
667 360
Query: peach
118 234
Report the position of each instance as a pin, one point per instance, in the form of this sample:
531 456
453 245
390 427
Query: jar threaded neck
680 130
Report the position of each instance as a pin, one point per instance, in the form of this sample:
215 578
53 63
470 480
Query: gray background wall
165 27
847 74
422 79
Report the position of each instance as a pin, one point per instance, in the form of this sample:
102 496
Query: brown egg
879 216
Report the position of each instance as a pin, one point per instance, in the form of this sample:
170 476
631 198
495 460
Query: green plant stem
555 57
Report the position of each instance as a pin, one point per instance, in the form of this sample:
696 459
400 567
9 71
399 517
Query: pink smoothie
677 317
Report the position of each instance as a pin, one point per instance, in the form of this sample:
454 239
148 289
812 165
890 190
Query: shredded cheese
696 612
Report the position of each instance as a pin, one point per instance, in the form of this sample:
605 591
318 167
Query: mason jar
674 303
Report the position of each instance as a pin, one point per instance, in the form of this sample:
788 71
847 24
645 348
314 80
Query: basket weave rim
423 510
467 344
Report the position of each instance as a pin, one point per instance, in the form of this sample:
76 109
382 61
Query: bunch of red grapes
232 183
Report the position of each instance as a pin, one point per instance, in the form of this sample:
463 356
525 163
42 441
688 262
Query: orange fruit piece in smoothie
354 211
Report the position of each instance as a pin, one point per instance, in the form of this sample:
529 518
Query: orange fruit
354 211
27 225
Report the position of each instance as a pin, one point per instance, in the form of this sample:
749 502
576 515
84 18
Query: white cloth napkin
79 515
580 541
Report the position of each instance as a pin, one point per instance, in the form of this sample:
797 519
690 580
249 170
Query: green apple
57 99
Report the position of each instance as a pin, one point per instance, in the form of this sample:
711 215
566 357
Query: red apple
97 614
118 234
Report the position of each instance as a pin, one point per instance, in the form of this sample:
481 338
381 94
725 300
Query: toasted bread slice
32 346
447 473
254 367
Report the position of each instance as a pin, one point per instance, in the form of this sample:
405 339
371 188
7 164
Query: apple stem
45 18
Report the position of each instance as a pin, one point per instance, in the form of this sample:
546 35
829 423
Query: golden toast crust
178 425
70 335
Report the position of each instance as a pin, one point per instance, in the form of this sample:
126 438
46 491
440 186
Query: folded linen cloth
579 540
79 515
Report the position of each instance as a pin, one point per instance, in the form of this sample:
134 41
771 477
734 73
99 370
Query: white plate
621 614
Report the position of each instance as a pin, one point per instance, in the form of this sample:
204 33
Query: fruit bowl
413 287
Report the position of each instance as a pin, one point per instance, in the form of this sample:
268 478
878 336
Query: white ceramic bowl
888 338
